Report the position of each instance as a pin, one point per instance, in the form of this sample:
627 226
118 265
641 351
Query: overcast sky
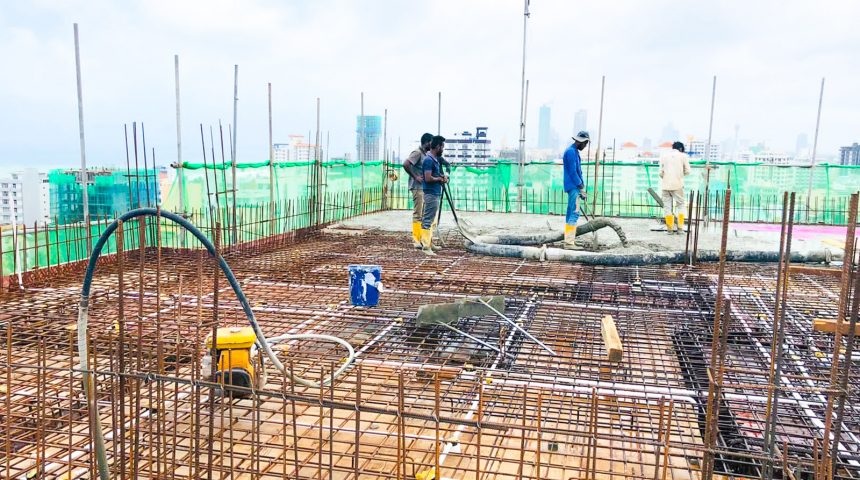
659 58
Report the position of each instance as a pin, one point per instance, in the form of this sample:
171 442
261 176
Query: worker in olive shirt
433 182
414 166
574 186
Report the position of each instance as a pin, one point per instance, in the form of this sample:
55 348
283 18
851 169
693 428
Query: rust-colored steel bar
781 277
712 407
849 270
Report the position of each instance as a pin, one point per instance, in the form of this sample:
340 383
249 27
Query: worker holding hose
434 178
674 166
414 166
574 186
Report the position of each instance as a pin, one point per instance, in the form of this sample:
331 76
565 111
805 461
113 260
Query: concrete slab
640 232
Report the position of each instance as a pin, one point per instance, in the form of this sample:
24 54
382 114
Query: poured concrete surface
644 235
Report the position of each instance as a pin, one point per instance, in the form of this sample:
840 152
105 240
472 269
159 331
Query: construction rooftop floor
417 397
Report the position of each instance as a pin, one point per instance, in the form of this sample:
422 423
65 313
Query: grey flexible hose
550 237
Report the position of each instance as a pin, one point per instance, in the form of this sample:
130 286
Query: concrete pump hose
649 258
83 316
551 237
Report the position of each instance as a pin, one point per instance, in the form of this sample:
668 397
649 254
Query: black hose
89 385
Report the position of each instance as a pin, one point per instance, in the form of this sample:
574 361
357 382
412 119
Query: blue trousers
572 215
431 209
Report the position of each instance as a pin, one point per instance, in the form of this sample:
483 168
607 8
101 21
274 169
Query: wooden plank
611 339
829 325
828 272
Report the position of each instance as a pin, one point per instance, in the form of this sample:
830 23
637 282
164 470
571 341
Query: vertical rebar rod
128 167
357 451
713 408
668 440
845 283
777 323
384 158
361 147
84 179
690 220
120 261
8 400
846 369
145 167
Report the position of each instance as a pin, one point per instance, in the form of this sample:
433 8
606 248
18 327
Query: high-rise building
850 155
580 121
466 147
699 148
296 151
544 128
24 198
802 144
368 129
670 133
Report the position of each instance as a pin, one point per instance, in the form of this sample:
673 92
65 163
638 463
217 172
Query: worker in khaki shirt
414 166
674 166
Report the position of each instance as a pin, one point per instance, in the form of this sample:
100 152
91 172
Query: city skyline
127 72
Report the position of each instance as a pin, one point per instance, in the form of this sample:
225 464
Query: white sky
658 57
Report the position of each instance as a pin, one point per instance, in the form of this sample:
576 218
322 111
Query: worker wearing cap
674 166
414 166
574 186
434 178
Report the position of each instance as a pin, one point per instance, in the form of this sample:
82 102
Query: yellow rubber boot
670 224
416 234
426 238
570 237
681 222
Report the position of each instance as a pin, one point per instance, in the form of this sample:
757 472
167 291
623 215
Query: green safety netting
757 191
110 191
621 187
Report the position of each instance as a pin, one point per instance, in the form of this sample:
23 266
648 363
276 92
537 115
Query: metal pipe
84 179
815 150
361 158
522 152
179 169
271 153
708 147
233 147
439 116
318 170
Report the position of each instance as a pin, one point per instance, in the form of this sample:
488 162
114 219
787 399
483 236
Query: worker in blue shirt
434 179
574 185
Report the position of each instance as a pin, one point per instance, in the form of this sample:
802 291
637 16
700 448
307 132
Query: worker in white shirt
674 166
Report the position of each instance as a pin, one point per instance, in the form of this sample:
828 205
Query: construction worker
574 186
434 178
674 166
414 166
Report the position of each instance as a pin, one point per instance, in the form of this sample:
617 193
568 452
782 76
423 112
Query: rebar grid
417 397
